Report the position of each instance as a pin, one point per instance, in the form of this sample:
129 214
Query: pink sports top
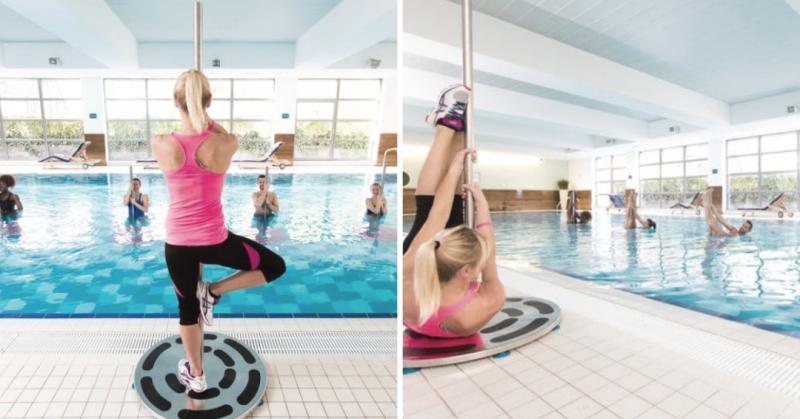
195 215
432 326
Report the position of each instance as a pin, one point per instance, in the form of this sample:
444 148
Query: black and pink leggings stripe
237 252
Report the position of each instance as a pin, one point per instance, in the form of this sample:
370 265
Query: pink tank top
432 327
195 215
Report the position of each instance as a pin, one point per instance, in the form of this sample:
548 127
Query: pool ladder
383 173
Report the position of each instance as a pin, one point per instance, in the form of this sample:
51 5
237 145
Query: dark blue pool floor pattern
339 264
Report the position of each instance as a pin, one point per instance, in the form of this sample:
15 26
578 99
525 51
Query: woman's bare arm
442 202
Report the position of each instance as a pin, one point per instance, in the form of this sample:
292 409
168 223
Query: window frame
335 119
229 122
662 197
759 174
5 151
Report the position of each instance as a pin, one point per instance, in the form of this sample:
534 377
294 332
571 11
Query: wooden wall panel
510 200
287 150
97 149
387 141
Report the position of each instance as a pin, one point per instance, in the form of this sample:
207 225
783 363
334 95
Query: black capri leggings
237 252
424 205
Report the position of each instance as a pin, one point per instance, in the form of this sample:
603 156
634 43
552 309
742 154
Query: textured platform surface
520 321
236 378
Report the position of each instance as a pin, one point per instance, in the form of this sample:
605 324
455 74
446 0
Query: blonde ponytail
193 95
438 260
426 280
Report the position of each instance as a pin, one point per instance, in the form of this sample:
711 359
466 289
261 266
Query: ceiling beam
490 127
432 30
89 26
421 87
352 26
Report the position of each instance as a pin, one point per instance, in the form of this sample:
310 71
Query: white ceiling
154 33
732 50
452 70
699 68
15 28
224 20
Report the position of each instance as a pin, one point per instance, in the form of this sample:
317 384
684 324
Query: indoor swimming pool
74 253
753 279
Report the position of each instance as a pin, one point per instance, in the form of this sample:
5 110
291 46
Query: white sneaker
449 111
206 303
196 384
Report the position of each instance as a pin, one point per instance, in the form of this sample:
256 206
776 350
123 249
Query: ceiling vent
216 63
54 61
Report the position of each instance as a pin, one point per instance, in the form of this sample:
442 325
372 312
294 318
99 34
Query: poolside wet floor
617 355
334 382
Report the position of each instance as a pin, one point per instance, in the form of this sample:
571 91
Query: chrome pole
469 133
198 35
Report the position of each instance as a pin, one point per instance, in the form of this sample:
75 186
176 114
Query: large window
760 168
39 117
609 175
137 109
672 175
336 119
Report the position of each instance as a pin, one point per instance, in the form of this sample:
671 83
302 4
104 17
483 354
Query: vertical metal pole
266 187
198 35
130 185
469 133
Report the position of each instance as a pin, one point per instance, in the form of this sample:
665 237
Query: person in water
443 258
376 204
265 201
10 204
717 224
632 214
573 217
138 203
194 161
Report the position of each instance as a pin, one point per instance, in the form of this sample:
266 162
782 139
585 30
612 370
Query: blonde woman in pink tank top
443 258
194 161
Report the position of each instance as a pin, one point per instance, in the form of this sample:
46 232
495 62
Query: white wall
580 174
93 103
390 105
496 169
231 54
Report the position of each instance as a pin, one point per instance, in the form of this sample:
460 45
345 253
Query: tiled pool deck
55 382
618 355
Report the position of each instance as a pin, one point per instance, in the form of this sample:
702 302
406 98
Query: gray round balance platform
236 377
521 321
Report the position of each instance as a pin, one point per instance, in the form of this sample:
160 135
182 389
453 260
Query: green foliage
563 184
23 129
406 179
313 139
126 130
64 130
162 127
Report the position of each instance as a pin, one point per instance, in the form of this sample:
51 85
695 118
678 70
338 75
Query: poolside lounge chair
616 202
778 204
696 204
77 158
269 159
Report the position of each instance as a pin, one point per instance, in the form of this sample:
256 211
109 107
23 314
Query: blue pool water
754 279
72 253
